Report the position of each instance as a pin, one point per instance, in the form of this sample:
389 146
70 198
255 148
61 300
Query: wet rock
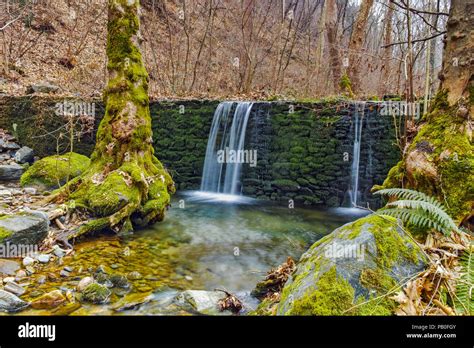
21 274
96 293
24 155
131 301
50 300
57 251
359 261
8 279
14 288
64 273
10 146
10 302
134 275
42 87
84 283
27 261
8 267
30 270
23 228
43 258
204 302
41 279
120 281
10 172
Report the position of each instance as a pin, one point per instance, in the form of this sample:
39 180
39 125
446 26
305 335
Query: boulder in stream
24 228
347 271
10 302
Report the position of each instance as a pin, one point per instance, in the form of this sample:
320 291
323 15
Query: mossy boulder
346 272
54 171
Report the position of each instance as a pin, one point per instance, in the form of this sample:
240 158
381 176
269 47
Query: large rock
10 302
54 171
23 228
10 172
355 264
201 301
24 155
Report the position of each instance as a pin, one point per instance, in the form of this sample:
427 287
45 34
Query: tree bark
125 185
440 159
355 44
331 30
387 53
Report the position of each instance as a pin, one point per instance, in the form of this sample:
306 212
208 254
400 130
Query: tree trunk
387 53
331 30
355 44
125 185
440 159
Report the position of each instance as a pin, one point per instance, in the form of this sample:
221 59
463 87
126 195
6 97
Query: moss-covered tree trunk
440 159
125 184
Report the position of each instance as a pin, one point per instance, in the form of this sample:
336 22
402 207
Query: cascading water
220 176
358 121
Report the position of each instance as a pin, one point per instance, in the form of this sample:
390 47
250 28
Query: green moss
451 153
54 171
96 293
333 296
112 194
4 233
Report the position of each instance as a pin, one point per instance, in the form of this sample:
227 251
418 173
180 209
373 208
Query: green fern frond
464 300
419 209
410 195
440 216
418 218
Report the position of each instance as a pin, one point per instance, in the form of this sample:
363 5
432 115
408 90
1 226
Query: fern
418 209
464 303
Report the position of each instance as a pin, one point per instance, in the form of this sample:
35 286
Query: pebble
43 258
30 270
27 261
134 275
14 288
41 279
20 275
30 190
84 283
58 251
9 280
189 278
64 273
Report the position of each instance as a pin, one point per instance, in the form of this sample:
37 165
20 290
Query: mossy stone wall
304 150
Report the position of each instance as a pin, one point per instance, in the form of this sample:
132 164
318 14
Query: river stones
10 302
8 267
204 302
84 283
14 288
96 293
24 155
10 172
357 262
24 228
50 300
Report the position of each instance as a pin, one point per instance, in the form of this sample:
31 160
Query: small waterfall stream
227 134
358 121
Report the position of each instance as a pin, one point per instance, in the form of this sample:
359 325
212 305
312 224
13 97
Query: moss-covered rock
346 272
54 171
96 293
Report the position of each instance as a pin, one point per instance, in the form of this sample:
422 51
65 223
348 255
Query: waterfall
222 177
357 120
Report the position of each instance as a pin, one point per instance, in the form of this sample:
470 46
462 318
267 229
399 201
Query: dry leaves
424 294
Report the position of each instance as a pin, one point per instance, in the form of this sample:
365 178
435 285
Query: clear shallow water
232 244
206 241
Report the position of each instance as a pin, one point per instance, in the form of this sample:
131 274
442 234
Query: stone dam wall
304 150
